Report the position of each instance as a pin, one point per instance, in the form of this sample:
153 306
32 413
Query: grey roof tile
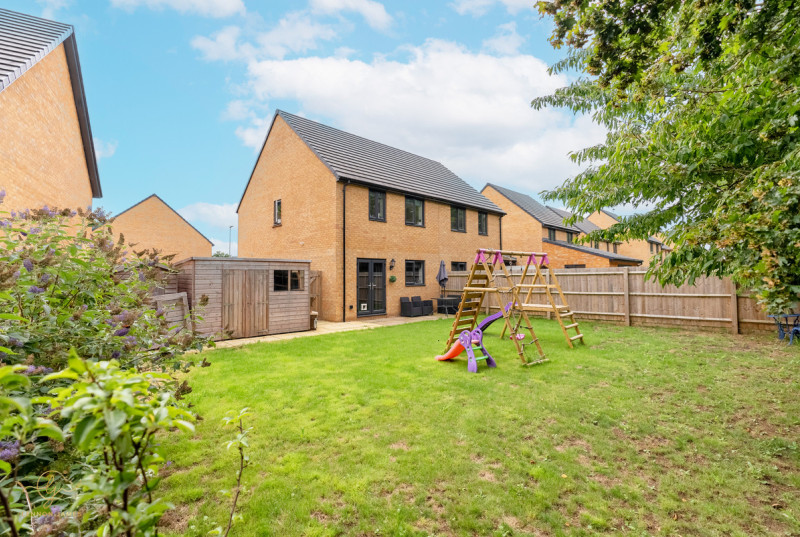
585 226
593 251
364 161
24 41
545 215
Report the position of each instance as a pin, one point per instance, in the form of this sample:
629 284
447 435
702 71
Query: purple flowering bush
85 388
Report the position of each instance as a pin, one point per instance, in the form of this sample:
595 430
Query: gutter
344 250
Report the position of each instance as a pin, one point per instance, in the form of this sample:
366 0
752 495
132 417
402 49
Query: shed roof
360 160
168 207
24 41
593 251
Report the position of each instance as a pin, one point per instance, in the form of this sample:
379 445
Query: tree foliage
701 101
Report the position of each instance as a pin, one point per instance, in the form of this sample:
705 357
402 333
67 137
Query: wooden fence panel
623 295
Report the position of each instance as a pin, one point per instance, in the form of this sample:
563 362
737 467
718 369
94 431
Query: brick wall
521 232
311 226
637 248
393 239
311 212
41 154
560 256
153 224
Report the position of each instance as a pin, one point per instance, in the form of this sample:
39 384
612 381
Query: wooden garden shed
247 297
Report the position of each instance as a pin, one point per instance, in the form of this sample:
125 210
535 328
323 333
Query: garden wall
622 295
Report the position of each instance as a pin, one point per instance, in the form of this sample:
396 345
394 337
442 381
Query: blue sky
181 92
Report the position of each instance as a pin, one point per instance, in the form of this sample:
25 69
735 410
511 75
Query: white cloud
478 8
206 8
373 12
471 111
507 41
104 149
219 215
51 7
294 33
220 245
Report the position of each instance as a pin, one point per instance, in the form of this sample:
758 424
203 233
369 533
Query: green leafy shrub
77 447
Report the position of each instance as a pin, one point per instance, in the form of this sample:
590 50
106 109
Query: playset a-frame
513 301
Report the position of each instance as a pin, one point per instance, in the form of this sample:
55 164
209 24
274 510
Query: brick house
47 153
152 223
643 249
363 213
531 226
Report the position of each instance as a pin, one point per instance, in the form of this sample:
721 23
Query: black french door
371 286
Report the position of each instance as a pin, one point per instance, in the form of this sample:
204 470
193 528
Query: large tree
701 100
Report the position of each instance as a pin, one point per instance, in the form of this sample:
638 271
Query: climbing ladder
561 311
481 285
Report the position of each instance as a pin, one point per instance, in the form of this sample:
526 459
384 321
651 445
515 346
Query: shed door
245 302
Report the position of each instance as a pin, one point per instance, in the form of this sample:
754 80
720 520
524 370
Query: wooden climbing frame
481 285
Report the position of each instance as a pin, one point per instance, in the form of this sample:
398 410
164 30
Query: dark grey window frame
277 212
421 272
456 211
285 281
382 193
551 234
581 265
422 205
485 216
454 269
570 237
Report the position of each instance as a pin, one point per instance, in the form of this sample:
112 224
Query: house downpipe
344 251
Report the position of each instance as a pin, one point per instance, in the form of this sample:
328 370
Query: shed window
551 234
483 224
415 273
280 280
415 212
377 205
458 219
297 280
458 266
277 213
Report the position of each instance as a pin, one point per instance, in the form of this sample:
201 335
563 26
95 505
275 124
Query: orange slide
454 351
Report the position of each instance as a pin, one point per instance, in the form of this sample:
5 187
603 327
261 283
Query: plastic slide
458 348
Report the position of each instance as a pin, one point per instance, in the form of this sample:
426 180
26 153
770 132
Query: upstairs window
415 212
483 224
458 219
570 236
651 247
415 273
551 234
458 266
377 205
277 213
615 247
597 245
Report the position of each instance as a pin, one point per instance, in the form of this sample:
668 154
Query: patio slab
330 327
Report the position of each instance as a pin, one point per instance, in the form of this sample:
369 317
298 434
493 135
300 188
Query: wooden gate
245 302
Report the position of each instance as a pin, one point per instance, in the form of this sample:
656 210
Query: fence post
626 289
549 314
734 308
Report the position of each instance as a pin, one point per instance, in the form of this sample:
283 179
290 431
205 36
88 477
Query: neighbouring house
643 249
531 226
152 223
46 154
364 213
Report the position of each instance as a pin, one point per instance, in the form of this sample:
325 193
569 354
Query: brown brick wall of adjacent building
311 226
42 161
153 224
311 212
637 249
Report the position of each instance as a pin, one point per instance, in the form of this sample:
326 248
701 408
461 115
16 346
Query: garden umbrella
441 276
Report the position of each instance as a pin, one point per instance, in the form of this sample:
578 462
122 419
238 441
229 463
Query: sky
181 92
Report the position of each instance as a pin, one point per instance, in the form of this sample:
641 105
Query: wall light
391 264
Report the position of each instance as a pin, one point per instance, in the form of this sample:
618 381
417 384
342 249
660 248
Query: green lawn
640 432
